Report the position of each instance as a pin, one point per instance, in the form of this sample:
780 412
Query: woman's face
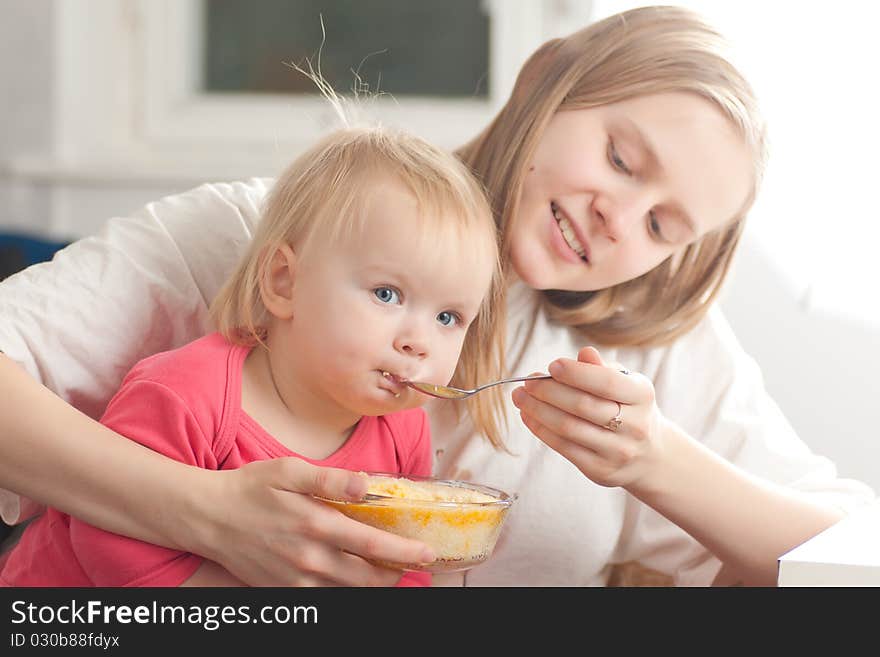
614 190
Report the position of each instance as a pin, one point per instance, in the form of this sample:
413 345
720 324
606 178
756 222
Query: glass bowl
460 520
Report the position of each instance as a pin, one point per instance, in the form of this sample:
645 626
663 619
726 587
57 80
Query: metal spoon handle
511 380
449 392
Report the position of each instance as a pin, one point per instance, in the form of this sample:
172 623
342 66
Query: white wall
33 197
822 369
25 104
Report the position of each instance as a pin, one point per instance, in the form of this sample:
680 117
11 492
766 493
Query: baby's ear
276 282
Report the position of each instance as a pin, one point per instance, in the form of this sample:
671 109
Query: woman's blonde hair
643 51
321 196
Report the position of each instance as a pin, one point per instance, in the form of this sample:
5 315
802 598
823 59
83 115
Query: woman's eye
616 160
387 294
447 318
654 226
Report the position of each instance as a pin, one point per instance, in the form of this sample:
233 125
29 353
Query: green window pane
403 47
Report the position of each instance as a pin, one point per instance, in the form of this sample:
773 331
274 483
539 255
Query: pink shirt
186 404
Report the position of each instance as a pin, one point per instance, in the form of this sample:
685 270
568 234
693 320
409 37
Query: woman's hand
572 413
261 523
734 514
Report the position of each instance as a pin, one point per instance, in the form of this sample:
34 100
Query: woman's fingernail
554 368
517 396
427 556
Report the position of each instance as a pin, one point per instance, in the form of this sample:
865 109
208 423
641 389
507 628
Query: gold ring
615 422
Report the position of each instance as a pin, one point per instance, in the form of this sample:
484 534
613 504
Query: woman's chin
537 267
529 273
542 274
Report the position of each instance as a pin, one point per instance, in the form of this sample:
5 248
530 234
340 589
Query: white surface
846 554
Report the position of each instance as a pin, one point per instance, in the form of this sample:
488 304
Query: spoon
448 392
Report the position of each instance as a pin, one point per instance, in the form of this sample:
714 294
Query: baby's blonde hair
643 51
321 196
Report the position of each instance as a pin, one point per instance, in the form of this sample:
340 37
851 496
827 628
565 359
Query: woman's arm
52 453
253 520
746 521
212 574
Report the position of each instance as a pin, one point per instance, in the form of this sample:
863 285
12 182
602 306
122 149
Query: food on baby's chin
460 523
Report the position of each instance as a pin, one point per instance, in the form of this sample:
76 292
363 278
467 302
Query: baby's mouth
396 382
568 232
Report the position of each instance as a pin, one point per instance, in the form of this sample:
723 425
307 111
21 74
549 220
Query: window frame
177 109
128 111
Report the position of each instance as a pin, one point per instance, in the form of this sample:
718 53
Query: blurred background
109 104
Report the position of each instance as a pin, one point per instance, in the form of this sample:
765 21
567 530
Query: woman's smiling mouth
569 232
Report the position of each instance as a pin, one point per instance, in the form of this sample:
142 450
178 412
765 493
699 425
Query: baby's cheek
447 365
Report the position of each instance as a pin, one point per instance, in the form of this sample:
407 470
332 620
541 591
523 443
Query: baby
375 260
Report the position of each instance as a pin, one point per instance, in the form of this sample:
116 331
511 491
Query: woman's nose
620 214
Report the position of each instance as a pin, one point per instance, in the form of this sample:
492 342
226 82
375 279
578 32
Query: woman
638 152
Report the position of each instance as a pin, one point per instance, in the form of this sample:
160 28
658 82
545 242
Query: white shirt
143 284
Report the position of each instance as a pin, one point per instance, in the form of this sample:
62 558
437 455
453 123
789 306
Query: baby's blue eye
387 294
447 318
